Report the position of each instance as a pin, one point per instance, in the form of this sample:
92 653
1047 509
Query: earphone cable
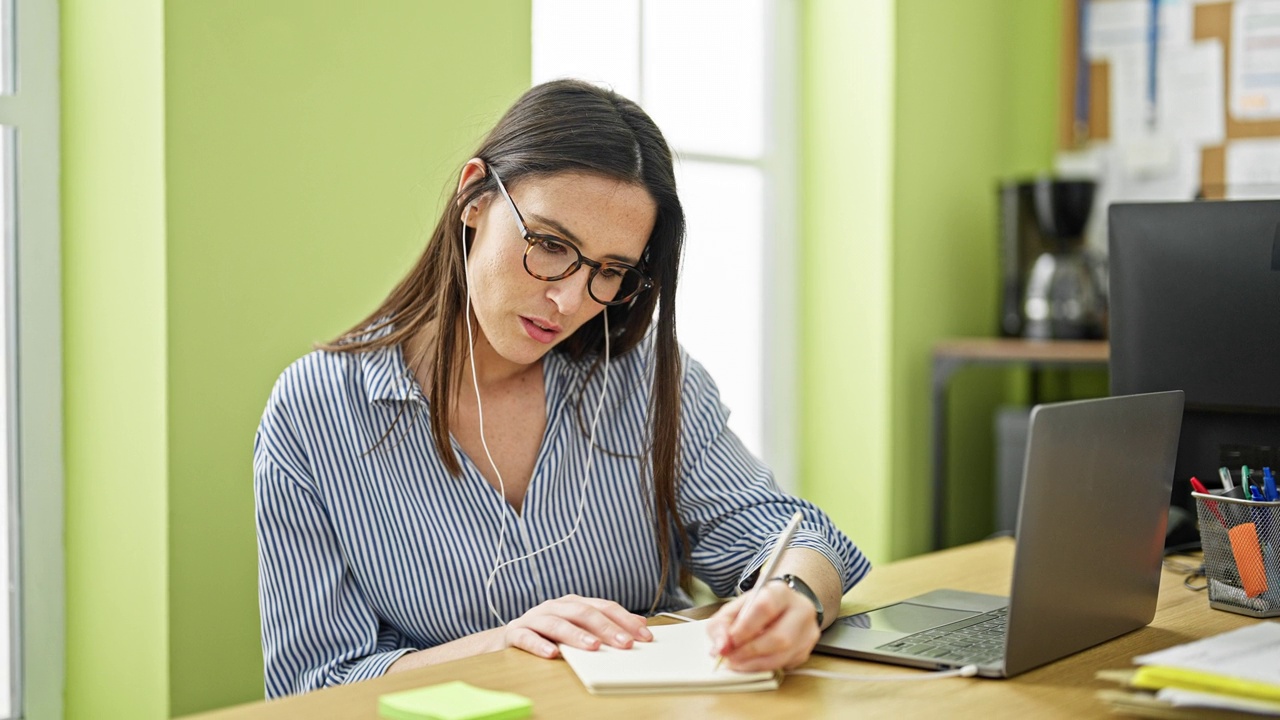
966 671
498 563
475 383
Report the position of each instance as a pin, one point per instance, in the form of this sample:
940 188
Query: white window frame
32 321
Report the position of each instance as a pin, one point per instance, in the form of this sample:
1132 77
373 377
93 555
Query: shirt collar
387 377
385 374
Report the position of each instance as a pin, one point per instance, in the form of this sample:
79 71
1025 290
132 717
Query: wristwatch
803 588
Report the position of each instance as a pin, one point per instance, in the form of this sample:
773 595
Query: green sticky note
455 700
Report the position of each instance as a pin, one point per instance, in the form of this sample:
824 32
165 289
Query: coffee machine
1052 285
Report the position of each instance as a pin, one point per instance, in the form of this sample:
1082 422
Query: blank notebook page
679 659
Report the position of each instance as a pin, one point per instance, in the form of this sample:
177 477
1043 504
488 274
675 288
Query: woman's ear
469 214
474 171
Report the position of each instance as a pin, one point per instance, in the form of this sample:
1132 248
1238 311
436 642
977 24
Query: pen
770 565
1200 488
1245 479
1269 484
1225 474
1262 525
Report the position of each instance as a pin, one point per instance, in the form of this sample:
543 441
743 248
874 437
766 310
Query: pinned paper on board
1185 107
1253 168
1191 93
1117 25
1255 59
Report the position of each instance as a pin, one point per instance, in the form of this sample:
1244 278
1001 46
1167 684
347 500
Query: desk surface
1064 689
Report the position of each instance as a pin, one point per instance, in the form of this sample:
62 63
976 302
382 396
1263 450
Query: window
717 78
31 560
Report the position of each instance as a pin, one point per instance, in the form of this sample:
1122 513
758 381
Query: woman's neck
491 369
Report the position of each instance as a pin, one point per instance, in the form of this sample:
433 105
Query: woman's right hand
575 621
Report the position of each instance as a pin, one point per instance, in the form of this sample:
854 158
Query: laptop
1089 546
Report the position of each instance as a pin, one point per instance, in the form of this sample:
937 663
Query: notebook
1095 498
679 659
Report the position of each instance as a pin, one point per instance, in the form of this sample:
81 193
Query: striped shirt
365 555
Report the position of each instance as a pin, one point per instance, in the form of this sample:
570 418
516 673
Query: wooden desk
951 355
1064 689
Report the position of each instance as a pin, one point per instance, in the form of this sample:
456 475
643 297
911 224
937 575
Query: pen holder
1241 541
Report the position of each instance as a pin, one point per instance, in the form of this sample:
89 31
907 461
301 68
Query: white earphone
498 562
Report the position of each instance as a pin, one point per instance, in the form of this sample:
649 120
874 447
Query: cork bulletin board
1091 122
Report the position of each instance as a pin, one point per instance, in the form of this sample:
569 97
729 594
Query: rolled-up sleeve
732 506
317 628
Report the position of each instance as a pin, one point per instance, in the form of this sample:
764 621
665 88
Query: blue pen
1269 484
1255 493
1262 517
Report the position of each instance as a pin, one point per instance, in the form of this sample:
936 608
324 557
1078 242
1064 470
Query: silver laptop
1090 541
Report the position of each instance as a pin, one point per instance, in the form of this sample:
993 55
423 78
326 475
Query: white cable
586 479
498 563
475 382
673 616
966 671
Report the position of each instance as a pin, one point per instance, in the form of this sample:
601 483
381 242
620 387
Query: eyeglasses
551 258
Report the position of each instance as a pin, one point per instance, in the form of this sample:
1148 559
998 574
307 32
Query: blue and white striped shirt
365 555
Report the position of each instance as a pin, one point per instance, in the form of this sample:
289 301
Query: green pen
1244 479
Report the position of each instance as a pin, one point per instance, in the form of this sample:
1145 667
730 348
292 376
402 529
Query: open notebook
678 660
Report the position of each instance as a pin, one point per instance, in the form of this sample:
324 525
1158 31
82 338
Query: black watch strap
803 588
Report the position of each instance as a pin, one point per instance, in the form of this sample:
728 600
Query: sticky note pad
455 700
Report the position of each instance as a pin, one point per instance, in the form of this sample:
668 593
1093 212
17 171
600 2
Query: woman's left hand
777 631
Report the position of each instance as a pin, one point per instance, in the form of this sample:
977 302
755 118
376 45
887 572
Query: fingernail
645 634
624 639
589 641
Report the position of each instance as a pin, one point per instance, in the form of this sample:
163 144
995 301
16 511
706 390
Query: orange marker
1248 554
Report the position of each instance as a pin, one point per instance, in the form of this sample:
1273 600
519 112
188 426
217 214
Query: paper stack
1232 675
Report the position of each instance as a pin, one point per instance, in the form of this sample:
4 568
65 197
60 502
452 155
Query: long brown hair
565 125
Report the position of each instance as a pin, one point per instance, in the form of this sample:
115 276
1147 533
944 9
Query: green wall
971 99
973 106
242 179
114 340
847 76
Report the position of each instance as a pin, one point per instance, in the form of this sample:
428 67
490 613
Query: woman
509 452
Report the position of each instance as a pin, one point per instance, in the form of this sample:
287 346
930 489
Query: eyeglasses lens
611 284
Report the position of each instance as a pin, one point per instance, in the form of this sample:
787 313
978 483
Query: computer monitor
1195 306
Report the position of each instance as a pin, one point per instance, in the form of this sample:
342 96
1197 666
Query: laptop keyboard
974 641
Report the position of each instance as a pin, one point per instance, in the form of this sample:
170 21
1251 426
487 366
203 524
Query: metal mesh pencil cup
1241 540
